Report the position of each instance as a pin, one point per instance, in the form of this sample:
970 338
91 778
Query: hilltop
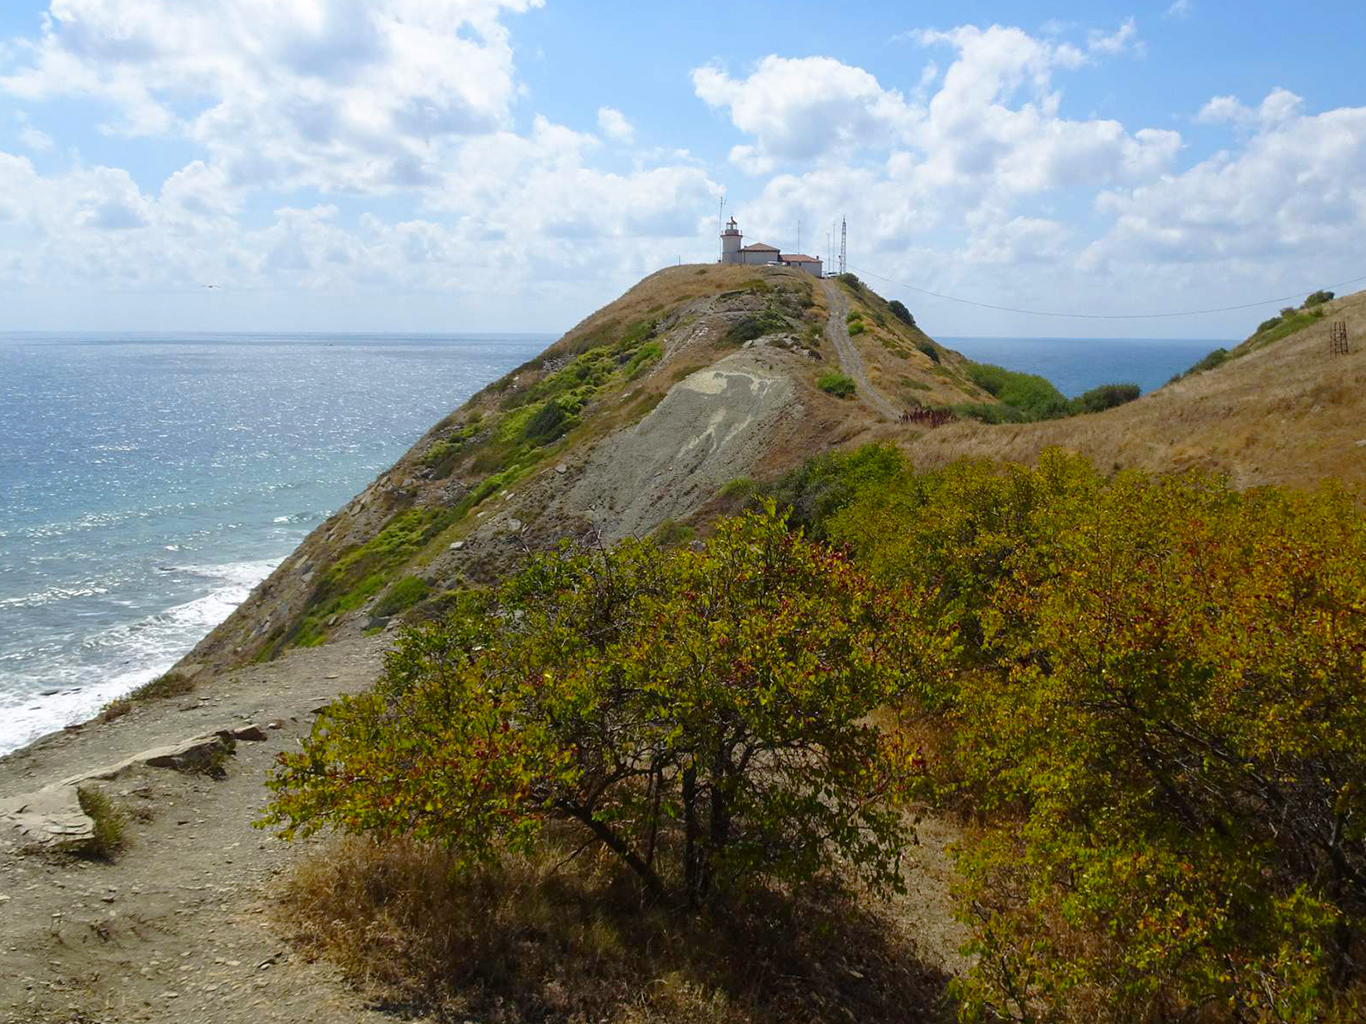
637 419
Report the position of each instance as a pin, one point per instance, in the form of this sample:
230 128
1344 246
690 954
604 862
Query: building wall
759 257
730 248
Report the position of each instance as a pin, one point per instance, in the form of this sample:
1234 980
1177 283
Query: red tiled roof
759 247
798 258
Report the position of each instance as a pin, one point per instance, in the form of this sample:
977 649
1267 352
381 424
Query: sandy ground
178 927
851 363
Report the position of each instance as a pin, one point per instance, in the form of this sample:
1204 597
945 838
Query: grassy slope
1283 411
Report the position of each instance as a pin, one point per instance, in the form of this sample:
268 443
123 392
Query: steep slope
635 418
1280 410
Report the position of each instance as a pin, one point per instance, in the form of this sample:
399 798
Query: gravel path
180 927
837 330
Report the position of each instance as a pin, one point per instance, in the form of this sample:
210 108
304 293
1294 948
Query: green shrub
402 596
856 328
670 534
837 384
900 311
644 357
1317 299
549 422
738 489
1158 718
108 836
929 349
703 744
1107 396
1033 396
851 280
1209 362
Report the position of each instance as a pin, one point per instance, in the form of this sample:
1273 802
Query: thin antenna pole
844 245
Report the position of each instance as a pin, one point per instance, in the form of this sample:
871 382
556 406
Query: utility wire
1097 316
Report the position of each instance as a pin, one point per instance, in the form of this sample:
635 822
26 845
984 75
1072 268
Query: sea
149 481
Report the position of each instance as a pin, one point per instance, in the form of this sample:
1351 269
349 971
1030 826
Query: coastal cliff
638 418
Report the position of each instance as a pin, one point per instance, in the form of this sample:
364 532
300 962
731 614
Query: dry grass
170 684
108 838
527 942
1289 413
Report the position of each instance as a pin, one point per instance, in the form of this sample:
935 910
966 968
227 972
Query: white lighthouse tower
730 243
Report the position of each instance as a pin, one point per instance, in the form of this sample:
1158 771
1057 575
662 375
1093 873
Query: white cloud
351 95
800 109
1279 105
35 140
1118 41
1298 188
1180 10
614 125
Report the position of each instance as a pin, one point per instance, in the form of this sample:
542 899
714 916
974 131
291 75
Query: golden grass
1288 413
527 942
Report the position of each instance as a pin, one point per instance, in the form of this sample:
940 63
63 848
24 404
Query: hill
1280 408
634 420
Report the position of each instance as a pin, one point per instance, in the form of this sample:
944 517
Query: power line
1099 316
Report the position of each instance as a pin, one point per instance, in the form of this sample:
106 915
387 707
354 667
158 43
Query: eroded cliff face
637 417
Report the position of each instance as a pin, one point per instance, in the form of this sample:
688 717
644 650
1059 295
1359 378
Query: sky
512 165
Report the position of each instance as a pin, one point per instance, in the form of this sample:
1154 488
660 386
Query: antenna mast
721 217
844 245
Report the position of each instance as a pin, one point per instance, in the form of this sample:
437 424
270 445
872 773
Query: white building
734 251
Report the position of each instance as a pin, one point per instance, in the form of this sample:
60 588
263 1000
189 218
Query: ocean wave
115 660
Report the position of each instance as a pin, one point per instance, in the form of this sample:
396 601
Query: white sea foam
131 654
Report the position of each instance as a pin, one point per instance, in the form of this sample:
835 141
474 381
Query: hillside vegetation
635 418
1144 695
1278 408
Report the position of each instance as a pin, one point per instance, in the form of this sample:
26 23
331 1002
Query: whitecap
141 650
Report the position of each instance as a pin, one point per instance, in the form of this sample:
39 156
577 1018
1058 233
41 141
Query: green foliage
1159 717
1215 358
837 384
738 489
364 571
701 715
811 494
751 327
1289 322
988 413
670 534
856 328
851 280
1107 396
108 837
930 349
166 685
1034 396
900 311
1317 299
644 357
402 596
548 422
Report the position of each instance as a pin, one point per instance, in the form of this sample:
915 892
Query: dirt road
837 330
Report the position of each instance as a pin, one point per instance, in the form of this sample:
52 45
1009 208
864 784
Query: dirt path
178 928
837 330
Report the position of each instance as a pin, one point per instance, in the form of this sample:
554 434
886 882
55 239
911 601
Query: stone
460 543
250 733
515 525
50 817
561 468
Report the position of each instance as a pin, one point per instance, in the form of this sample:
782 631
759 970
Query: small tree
701 714
900 311
1317 299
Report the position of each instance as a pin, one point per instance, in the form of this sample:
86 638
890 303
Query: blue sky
464 165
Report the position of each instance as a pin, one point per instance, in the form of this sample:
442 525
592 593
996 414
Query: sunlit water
147 483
